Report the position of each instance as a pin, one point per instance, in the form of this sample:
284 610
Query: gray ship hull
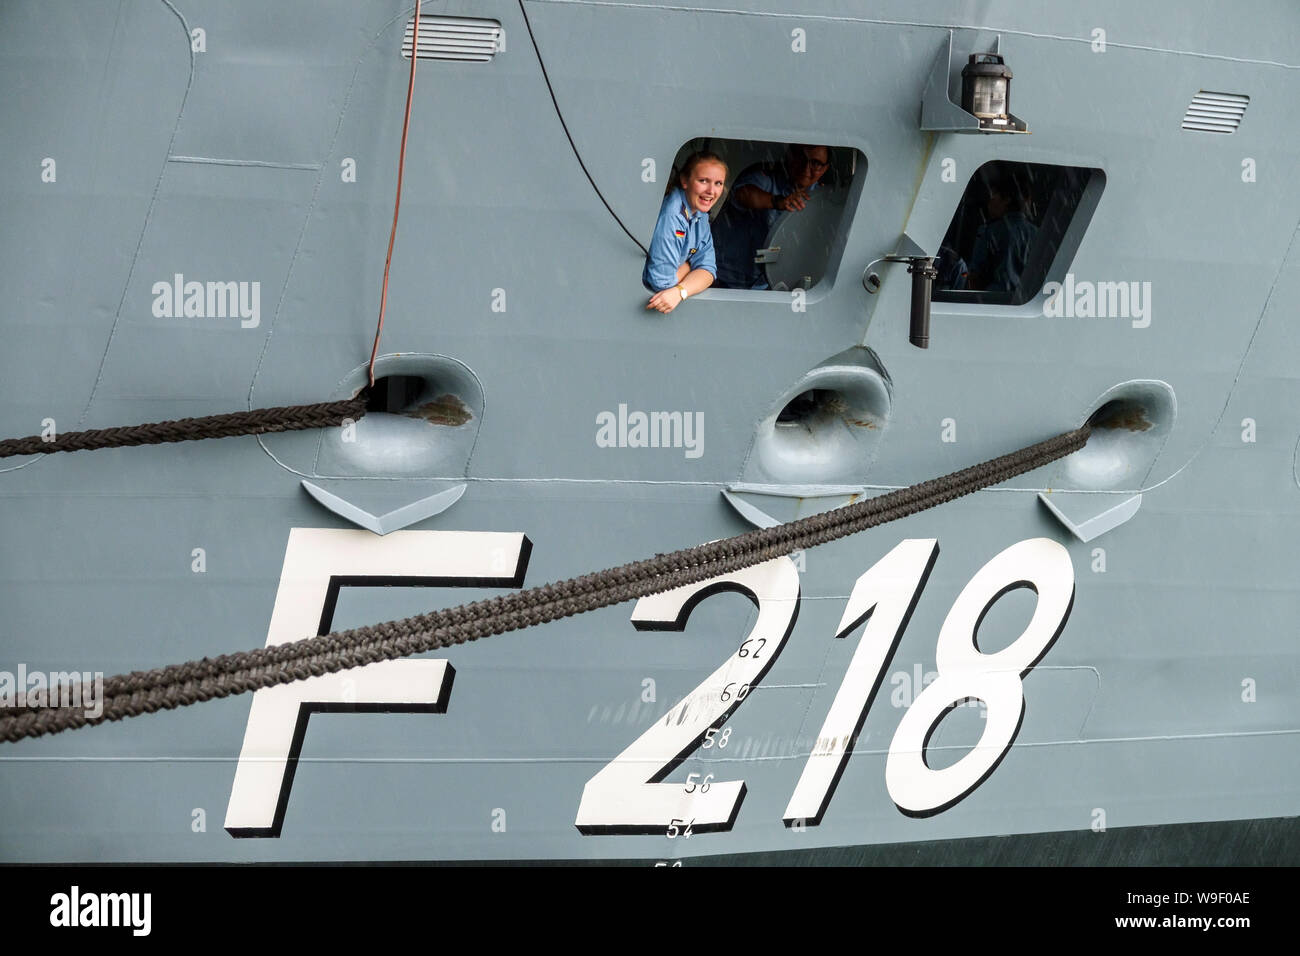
1162 693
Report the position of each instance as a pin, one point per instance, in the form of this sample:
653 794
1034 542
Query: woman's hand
692 282
666 301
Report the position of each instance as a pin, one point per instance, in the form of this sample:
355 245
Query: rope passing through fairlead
257 421
166 688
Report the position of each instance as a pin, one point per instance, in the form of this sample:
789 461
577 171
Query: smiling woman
681 261
776 212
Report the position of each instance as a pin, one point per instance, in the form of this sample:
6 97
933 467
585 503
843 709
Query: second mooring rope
180 685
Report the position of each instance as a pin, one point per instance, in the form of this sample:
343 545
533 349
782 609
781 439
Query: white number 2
620 798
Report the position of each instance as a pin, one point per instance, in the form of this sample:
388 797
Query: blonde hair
689 164
697 157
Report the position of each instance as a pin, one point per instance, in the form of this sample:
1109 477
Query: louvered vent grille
453 38
1215 112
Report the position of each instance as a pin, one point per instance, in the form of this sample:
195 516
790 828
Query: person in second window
1002 243
681 261
760 195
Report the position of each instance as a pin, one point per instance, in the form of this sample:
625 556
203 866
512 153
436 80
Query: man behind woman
762 193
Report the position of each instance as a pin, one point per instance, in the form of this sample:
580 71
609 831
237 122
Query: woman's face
704 185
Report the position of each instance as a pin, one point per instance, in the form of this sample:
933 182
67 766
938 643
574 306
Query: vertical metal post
923 275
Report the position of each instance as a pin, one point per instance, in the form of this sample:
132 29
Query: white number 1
884 596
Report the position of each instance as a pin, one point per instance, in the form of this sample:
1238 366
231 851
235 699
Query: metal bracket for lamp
939 114
920 265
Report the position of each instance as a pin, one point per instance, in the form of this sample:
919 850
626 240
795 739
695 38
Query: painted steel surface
251 149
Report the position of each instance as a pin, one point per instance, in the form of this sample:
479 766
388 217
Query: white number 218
627 795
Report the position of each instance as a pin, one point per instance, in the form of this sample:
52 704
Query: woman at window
680 262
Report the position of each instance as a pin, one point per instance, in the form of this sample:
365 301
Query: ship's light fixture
986 93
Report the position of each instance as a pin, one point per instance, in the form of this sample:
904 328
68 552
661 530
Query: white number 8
1039 564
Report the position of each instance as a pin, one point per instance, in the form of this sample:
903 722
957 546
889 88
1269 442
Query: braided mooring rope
166 688
259 421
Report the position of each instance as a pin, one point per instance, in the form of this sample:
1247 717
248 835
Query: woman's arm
693 276
665 253
696 280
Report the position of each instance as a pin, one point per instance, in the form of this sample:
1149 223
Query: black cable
565 127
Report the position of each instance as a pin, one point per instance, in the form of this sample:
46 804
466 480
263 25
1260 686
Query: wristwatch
682 290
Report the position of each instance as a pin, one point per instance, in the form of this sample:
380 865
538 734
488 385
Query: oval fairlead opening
1130 425
827 427
422 417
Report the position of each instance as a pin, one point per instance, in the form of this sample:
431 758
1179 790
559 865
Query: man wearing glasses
761 194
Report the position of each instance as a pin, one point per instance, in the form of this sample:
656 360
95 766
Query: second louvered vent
1215 112
453 38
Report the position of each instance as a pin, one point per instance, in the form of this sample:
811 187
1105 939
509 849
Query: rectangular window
780 222
1016 226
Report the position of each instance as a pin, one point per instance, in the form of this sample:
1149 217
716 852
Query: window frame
1067 242
859 169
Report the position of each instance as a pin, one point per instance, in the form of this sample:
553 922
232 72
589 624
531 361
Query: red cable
397 204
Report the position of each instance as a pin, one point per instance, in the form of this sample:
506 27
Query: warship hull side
1153 718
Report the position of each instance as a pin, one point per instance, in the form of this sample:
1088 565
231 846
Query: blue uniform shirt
682 234
1001 251
742 232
